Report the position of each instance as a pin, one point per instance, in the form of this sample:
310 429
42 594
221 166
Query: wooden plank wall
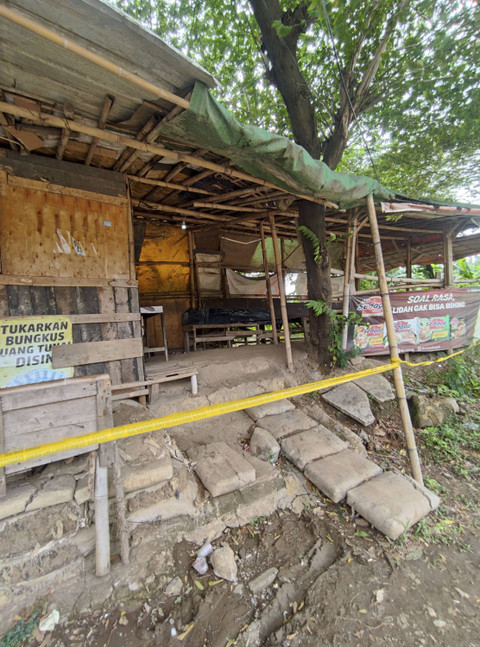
29 300
41 274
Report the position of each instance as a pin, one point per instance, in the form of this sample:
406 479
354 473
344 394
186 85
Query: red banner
425 320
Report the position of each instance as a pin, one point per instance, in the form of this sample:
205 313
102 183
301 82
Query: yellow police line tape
175 419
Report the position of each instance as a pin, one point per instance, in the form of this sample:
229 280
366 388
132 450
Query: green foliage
313 238
22 632
417 104
338 321
460 376
452 442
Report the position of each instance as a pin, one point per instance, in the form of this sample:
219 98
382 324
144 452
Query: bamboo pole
392 340
447 259
42 119
122 524
348 274
102 531
71 46
168 185
398 279
268 280
283 300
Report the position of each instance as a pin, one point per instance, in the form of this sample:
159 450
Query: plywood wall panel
46 234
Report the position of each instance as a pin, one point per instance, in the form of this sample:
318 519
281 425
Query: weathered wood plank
92 352
45 393
4 309
106 304
19 300
20 279
46 417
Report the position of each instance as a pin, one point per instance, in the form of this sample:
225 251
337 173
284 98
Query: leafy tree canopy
410 93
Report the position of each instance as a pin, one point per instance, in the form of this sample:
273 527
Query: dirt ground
340 582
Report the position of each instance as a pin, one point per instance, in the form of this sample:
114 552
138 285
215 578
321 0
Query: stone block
57 490
270 409
310 445
335 475
16 500
138 476
264 446
431 412
220 468
181 503
392 502
84 489
263 581
350 399
285 424
23 532
377 386
224 564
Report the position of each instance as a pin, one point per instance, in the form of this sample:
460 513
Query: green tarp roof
209 125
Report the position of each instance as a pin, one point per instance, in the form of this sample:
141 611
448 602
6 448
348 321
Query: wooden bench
150 387
228 332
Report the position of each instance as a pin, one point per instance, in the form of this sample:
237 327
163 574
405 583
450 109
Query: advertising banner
25 349
425 321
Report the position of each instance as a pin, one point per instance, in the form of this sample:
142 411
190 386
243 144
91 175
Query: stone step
220 468
336 474
310 445
392 502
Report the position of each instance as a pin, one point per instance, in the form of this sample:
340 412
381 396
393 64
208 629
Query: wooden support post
392 340
268 280
448 258
408 259
348 274
102 530
283 300
122 524
192 270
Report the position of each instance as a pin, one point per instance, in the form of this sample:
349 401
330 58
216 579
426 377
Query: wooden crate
36 414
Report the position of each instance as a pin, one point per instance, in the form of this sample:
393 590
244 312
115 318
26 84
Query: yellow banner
26 349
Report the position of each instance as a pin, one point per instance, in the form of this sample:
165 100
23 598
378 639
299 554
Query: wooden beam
62 145
448 259
40 119
107 105
151 136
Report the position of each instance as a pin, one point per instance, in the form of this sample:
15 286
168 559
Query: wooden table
151 311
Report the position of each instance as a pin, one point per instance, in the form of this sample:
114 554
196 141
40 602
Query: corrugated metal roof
40 68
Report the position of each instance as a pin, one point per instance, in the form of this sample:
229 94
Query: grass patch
453 442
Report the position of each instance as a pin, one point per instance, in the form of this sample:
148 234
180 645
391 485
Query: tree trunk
319 285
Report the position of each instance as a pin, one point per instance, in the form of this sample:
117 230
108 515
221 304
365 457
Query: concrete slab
270 409
392 502
264 446
350 399
377 386
285 424
310 445
220 468
335 475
